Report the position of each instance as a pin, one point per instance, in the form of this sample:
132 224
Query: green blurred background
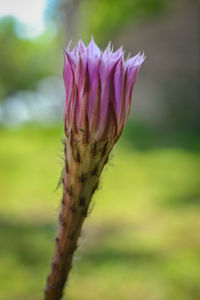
141 240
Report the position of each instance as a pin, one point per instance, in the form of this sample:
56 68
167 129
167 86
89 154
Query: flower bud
99 88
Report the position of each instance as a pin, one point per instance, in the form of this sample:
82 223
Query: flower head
99 88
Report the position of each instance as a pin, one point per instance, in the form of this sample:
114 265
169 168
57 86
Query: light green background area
141 239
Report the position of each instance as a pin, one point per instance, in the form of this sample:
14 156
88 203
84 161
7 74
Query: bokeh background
141 240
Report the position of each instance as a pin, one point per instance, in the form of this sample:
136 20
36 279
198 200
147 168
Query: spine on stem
83 166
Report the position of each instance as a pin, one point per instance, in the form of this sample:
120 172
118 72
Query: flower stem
83 167
66 243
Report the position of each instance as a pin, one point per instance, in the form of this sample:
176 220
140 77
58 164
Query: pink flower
99 88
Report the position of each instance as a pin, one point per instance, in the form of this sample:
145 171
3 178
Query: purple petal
98 89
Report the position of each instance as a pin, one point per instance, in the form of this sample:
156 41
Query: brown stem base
66 244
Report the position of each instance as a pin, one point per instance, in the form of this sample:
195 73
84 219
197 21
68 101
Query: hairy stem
66 243
83 166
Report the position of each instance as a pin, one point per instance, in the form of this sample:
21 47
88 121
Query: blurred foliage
24 62
141 237
102 18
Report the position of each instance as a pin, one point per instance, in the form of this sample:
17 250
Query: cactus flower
98 97
98 90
